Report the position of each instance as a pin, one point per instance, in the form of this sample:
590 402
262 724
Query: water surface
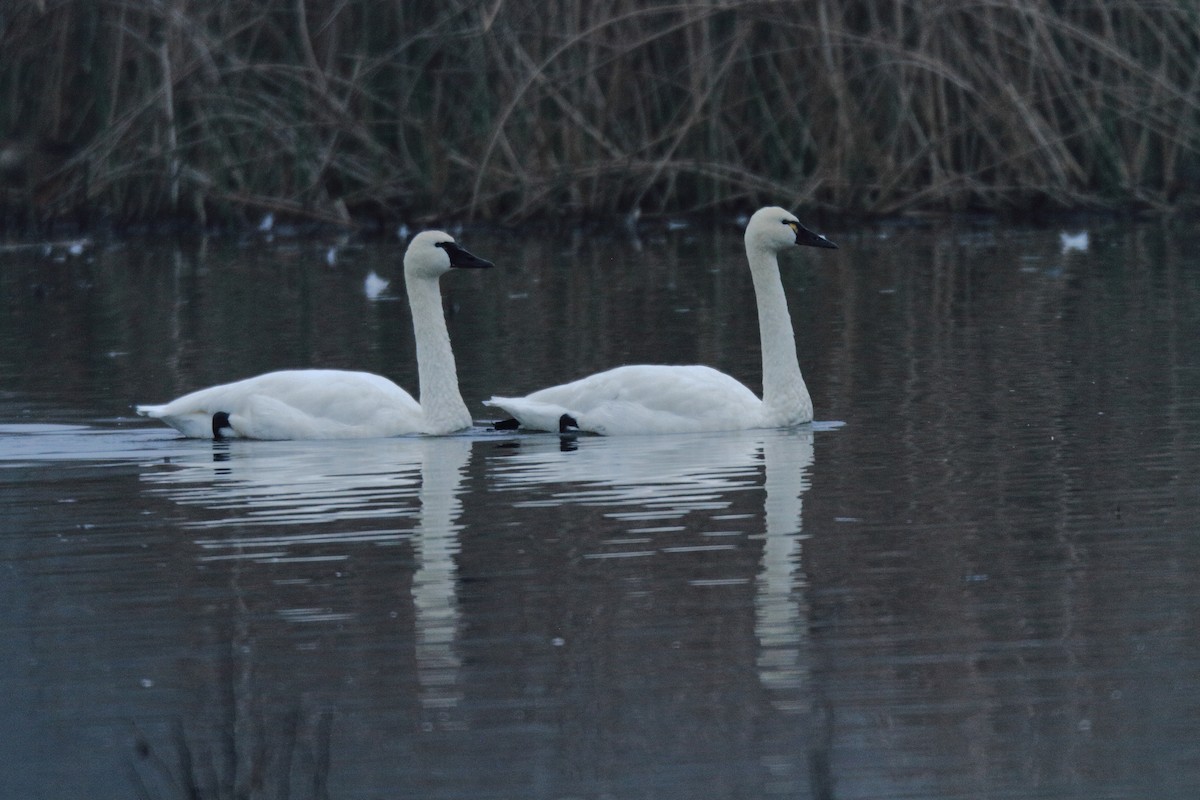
974 576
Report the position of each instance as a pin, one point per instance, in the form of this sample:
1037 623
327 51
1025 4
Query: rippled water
975 576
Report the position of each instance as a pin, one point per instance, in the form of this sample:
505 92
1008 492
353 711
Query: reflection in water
289 484
998 598
656 477
697 506
781 618
300 485
435 583
313 503
702 535
662 479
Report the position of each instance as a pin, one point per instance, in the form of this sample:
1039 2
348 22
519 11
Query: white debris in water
1074 241
374 285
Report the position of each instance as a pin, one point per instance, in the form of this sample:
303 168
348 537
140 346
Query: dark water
977 576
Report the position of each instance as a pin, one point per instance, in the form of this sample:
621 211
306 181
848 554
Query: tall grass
343 110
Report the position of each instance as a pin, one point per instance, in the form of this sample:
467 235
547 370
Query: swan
339 404
684 399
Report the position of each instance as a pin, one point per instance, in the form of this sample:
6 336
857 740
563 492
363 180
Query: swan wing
641 399
297 404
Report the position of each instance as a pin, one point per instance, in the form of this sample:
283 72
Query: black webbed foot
566 422
220 422
509 424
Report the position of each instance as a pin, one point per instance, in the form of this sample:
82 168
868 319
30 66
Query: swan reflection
297 503
660 485
658 477
781 609
435 583
292 484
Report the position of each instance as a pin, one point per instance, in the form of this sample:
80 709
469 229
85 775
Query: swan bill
462 258
808 238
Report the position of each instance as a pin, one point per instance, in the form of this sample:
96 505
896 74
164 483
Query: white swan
336 404
682 399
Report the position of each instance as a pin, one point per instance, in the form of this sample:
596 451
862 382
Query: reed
351 110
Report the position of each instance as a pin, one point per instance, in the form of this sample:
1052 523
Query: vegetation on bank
339 110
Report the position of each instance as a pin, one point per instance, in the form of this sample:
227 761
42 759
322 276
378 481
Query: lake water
976 576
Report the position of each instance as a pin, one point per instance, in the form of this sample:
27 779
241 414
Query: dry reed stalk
511 109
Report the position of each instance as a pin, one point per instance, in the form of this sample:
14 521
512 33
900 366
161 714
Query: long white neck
441 402
785 397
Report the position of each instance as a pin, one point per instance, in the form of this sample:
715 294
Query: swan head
433 253
774 229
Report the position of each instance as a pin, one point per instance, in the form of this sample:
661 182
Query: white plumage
685 399
337 404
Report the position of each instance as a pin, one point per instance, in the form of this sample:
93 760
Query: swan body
688 399
337 404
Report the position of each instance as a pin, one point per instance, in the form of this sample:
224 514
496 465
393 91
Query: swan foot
220 424
566 422
509 424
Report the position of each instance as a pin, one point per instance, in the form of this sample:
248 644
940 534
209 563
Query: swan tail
197 425
194 425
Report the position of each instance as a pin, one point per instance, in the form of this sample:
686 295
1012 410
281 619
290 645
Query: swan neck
785 397
441 402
